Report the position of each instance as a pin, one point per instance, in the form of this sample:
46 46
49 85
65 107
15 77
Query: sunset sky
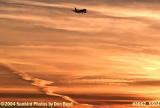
111 53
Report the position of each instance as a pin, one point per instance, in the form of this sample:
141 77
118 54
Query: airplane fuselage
80 10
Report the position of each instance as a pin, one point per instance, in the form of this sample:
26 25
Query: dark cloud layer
8 78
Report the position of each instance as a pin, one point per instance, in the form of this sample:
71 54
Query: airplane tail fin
75 9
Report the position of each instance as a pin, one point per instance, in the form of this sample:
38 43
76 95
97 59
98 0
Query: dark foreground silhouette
80 10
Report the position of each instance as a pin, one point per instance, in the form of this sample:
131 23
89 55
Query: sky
113 50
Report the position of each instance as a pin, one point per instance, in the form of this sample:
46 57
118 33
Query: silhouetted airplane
80 10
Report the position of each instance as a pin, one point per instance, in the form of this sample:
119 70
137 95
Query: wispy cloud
113 48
